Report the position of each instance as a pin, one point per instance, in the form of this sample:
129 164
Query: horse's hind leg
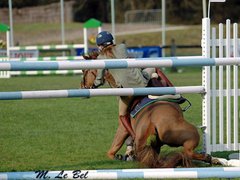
189 147
189 153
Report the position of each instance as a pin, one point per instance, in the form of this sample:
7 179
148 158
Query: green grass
65 133
70 133
75 133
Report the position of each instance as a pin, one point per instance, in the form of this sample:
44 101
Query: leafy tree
178 11
85 9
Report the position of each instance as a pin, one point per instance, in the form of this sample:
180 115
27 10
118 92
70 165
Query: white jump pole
73 93
117 63
165 173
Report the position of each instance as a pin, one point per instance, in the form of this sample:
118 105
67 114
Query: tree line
177 11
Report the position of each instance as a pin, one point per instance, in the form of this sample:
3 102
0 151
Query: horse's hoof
119 157
129 158
209 159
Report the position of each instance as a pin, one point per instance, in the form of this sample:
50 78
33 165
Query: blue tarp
145 51
135 52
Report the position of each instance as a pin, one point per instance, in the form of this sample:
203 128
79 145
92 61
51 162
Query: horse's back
169 123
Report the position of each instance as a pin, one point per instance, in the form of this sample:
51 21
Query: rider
125 78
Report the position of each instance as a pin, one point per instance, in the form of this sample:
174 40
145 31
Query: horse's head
91 55
89 76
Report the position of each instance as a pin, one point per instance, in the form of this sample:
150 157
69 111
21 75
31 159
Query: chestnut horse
155 125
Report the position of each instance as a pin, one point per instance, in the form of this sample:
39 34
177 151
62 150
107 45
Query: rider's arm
99 81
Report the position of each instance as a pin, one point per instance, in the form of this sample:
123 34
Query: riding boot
126 123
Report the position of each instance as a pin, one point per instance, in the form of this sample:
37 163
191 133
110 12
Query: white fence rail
221 102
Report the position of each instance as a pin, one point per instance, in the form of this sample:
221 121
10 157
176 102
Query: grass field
69 133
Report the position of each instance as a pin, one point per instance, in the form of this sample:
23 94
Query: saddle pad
147 101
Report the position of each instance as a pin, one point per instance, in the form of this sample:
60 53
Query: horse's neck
110 79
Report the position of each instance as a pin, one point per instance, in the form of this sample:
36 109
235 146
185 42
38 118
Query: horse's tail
149 157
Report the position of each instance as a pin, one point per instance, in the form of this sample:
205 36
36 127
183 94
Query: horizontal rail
66 72
47 47
182 46
116 63
217 172
57 58
71 93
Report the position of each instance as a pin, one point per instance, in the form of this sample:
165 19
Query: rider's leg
122 133
124 114
147 73
124 117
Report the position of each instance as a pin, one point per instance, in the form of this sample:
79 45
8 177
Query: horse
161 123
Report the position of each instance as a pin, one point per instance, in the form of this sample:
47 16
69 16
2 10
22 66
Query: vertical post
85 40
8 73
204 6
62 22
206 105
228 85
11 23
221 96
235 88
213 98
113 18
163 26
99 29
209 6
8 43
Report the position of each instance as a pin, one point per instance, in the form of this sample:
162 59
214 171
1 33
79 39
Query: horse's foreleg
120 136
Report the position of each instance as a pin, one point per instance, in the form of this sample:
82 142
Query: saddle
140 102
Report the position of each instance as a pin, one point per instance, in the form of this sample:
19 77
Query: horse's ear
95 53
86 57
91 55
